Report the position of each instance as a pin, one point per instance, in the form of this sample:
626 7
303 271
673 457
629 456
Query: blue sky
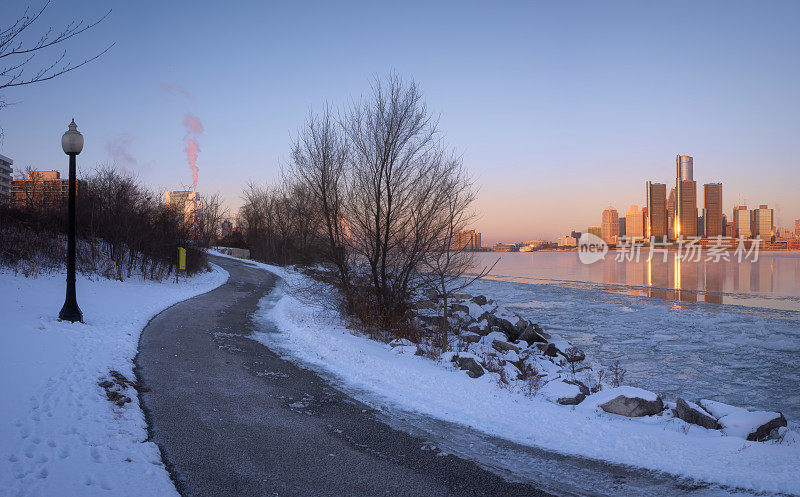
559 108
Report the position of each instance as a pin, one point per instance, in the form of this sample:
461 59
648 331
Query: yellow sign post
181 262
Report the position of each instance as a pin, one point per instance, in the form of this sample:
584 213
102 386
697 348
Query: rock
481 328
755 426
541 332
470 365
547 349
459 307
530 335
629 401
694 414
479 299
573 354
471 337
502 346
563 393
583 388
461 296
106 384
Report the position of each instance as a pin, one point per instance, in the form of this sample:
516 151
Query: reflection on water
772 281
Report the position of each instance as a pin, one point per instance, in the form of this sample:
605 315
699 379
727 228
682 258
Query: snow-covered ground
60 435
311 334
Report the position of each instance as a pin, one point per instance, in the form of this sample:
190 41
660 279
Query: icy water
726 331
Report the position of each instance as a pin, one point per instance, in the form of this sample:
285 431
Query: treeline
123 229
372 193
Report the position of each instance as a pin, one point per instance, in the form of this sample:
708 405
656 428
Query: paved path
233 419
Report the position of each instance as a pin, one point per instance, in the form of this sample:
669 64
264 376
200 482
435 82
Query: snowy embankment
393 377
61 433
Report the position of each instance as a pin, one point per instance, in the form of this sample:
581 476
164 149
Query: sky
559 109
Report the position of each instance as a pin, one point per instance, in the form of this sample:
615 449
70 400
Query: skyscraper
762 223
671 202
741 222
712 202
685 197
634 223
797 227
610 225
656 220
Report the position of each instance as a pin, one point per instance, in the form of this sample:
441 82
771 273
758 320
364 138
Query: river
722 330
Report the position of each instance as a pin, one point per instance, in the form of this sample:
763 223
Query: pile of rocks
490 338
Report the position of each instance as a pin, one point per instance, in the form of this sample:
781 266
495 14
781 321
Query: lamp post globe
72 143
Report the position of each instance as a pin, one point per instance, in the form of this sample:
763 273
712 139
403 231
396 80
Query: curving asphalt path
234 419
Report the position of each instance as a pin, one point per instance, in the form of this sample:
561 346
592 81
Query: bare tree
18 67
210 222
397 164
449 267
319 161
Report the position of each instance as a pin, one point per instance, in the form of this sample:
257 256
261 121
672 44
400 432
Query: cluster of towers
676 215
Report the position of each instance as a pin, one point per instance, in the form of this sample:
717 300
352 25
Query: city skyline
547 104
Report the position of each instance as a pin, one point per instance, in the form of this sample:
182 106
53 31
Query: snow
312 335
60 435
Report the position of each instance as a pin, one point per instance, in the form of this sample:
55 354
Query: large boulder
547 349
503 346
530 335
626 401
479 299
470 365
470 337
562 393
735 421
481 328
694 414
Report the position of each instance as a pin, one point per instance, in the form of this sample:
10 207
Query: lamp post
72 143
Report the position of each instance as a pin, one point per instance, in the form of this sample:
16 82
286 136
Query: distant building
567 241
5 178
685 198
188 202
504 247
726 227
656 218
797 227
469 240
762 224
671 201
595 230
741 222
577 235
635 223
610 225
712 205
623 225
226 228
42 189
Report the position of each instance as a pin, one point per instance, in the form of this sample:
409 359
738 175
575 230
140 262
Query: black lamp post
72 143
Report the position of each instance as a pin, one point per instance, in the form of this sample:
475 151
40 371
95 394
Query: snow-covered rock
739 422
503 346
694 414
626 401
470 364
563 393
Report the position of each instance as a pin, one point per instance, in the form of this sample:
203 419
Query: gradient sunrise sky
559 108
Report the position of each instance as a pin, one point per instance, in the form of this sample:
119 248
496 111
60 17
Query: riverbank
399 374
